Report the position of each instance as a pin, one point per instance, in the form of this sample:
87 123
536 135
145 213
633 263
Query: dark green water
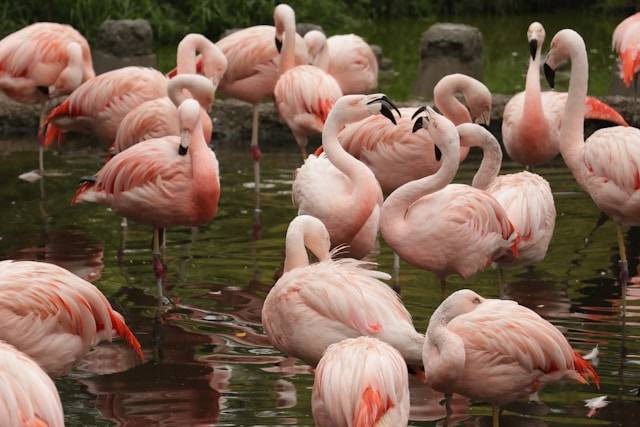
207 359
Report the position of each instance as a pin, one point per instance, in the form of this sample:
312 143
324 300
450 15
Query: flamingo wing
352 63
151 119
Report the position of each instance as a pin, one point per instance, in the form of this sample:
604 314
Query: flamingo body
28 397
352 63
35 62
54 316
361 382
626 43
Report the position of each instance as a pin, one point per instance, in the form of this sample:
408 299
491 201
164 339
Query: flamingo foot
159 269
255 153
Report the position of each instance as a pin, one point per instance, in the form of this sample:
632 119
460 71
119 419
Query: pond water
208 361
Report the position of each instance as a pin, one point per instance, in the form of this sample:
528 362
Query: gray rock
445 49
304 27
104 61
125 37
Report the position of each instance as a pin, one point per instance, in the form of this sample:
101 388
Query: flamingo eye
476 300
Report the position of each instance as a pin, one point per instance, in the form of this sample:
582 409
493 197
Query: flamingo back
626 43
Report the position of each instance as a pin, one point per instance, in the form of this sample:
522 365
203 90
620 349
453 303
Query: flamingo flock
382 171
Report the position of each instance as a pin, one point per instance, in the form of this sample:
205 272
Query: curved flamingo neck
572 131
322 59
199 88
444 98
287 56
396 206
186 56
532 111
451 356
295 252
472 135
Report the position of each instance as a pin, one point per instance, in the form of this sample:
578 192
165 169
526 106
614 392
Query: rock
377 51
448 48
304 27
386 64
124 42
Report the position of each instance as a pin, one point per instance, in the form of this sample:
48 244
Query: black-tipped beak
279 45
385 109
550 75
437 152
417 125
418 111
533 48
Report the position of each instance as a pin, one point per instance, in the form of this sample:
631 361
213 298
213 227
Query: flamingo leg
303 152
624 269
43 116
255 153
443 287
496 416
501 281
396 273
635 88
158 263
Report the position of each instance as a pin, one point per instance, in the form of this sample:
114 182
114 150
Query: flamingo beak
185 137
437 152
483 119
550 75
533 48
279 45
418 111
386 107
417 125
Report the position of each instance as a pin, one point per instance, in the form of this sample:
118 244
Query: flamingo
100 104
339 189
525 196
496 351
313 306
396 155
54 316
348 58
43 61
29 397
163 182
470 226
531 124
607 164
304 94
159 117
361 382
626 43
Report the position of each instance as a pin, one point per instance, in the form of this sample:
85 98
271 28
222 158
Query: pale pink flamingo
159 117
607 165
43 61
99 105
626 43
525 196
313 306
496 351
28 397
396 155
531 124
360 382
348 58
54 316
339 189
304 94
163 182
470 227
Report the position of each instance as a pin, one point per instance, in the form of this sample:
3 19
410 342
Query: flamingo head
189 115
310 232
353 108
283 17
72 75
478 99
316 238
214 65
458 303
442 131
535 37
315 41
563 45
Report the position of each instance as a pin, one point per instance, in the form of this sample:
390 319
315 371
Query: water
207 359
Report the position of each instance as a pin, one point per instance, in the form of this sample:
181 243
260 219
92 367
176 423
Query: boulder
123 42
445 49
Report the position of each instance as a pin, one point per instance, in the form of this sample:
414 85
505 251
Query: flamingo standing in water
531 125
304 94
29 397
525 196
348 58
43 61
361 382
496 351
313 306
163 182
54 316
607 165
339 189
470 226
626 43
99 105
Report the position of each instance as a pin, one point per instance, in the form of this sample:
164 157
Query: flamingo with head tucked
360 382
531 125
313 306
470 226
496 351
43 61
626 43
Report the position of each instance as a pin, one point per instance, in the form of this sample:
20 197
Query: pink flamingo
531 124
43 61
525 196
361 382
29 396
163 182
339 189
54 316
396 155
159 117
626 43
470 226
348 58
304 94
313 306
607 165
496 351
100 104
